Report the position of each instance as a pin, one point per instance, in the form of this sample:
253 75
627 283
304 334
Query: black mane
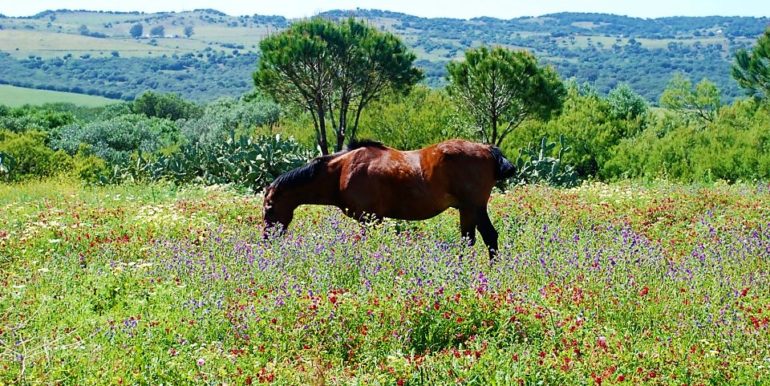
301 174
306 173
357 144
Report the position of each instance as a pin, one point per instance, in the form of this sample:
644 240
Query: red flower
644 291
602 343
745 292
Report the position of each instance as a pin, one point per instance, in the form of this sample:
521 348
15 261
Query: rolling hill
205 54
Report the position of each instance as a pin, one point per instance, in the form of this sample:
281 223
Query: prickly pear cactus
248 162
536 165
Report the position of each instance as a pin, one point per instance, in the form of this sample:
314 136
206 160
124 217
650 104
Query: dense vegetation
606 138
218 58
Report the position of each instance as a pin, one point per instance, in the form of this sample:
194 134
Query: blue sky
427 8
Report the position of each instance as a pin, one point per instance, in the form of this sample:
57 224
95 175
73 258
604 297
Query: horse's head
277 213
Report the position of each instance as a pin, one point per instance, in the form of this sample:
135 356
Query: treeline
229 141
197 77
211 74
160 136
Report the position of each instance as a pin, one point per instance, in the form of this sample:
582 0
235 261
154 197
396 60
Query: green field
603 284
18 96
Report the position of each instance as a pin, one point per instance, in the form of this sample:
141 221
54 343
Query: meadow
627 283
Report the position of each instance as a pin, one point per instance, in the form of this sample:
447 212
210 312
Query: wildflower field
601 284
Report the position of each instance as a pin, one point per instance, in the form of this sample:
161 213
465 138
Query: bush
169 106
588 126
225 118
90 168
116 139
25 156
736 146
624 103
26 118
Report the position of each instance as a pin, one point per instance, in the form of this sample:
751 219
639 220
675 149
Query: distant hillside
205 54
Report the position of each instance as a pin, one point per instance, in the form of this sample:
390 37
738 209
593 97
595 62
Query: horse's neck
320 191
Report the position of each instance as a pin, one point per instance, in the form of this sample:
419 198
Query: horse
369 180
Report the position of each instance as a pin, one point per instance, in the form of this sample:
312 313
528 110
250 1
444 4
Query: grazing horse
369 179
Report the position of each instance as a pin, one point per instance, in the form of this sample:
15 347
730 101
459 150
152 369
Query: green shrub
30 157
40 118
116 139
226 116
88 167
168 106
735 146
590 127
624 103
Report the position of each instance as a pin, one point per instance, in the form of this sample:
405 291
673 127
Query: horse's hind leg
488 232
468 224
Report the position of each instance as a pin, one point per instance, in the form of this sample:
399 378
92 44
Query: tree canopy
332 70
136 30
702 102
752 70
500 88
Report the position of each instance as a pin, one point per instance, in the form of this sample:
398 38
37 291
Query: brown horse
372 180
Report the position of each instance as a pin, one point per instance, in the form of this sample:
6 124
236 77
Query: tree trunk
354 130
342 124
494 127
320 112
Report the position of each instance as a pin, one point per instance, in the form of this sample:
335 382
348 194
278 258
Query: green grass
611 284
19 96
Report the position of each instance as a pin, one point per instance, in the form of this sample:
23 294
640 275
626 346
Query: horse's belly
417 208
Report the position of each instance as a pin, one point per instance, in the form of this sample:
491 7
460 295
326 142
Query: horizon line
47 11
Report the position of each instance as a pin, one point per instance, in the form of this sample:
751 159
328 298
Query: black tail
503 168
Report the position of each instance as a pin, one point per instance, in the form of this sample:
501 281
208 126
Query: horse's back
415 184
